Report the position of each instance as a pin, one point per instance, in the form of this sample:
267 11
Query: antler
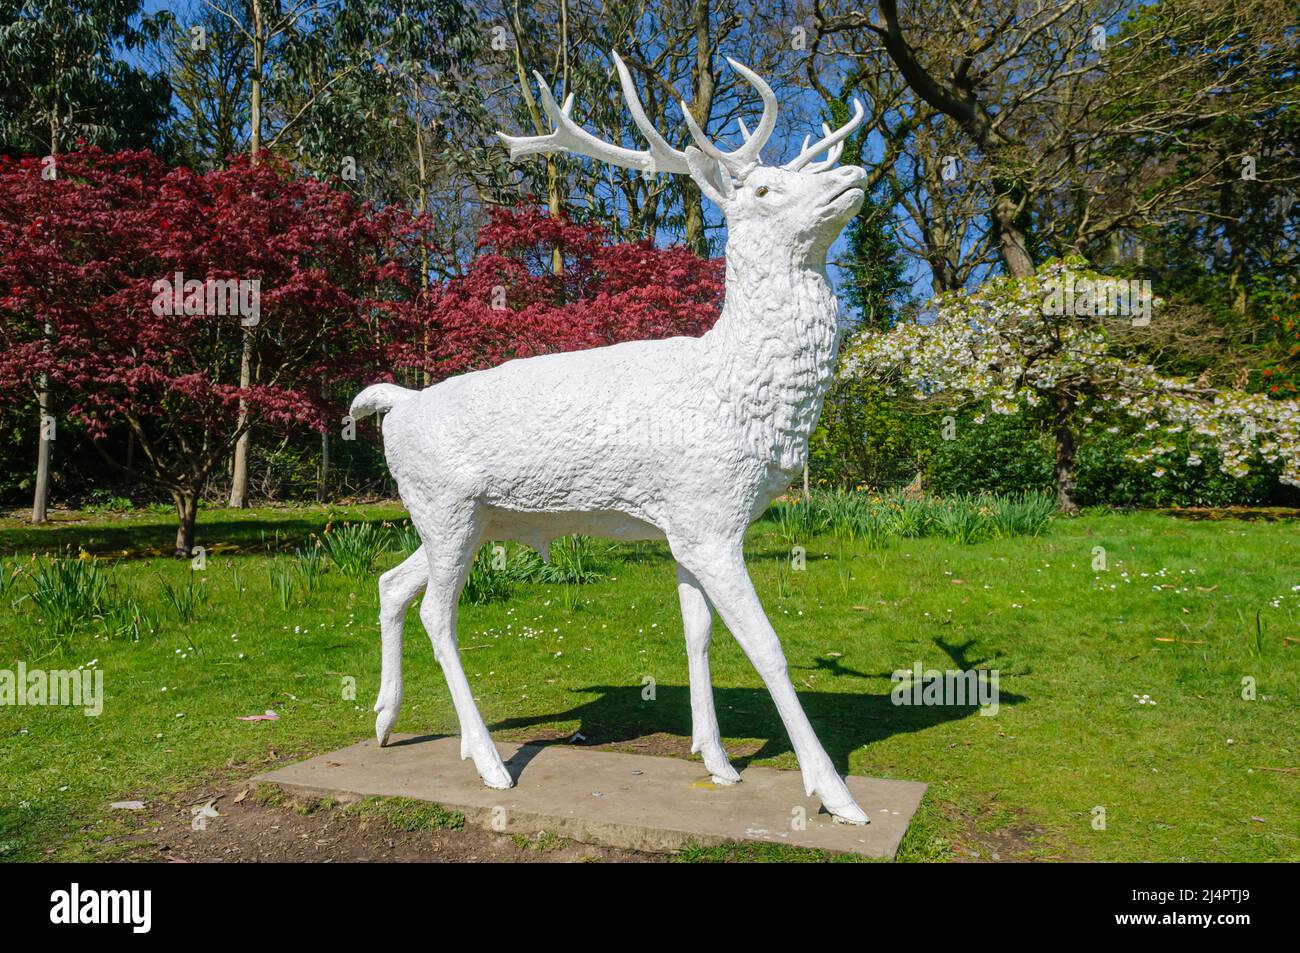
568 136
832 143
747 156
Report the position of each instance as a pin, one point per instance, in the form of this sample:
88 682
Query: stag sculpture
685 439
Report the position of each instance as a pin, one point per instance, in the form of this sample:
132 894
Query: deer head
798 208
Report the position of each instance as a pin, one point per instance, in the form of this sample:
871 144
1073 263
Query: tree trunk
1066 450
702 88
554 198
553 183
239 468
422 202
239 475
322 485
555 203
42 495
187 512
1012 240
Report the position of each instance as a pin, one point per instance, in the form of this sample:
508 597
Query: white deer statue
685 439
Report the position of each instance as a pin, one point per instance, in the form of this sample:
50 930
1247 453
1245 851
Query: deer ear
713 180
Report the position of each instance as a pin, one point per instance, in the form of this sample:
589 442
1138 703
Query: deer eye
761 191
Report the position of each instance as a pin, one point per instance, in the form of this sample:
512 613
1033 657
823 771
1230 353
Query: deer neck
773 349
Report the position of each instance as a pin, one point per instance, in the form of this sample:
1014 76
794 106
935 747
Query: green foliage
1027 514
64 77
873 266
796 519
853 517
406 538
128 618
960 523
281 577
309 561
1108 477
428 47
1280 307
406 815
10 572
303 571
105 501
1006 454
574 560
354 547
867 438
73 593
69 592
485 583
1003 453
187 599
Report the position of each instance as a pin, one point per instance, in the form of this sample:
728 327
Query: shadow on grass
1264 514
129 539
843 721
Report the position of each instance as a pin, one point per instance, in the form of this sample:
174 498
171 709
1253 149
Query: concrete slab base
620 800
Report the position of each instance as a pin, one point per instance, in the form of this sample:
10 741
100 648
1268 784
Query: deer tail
378 398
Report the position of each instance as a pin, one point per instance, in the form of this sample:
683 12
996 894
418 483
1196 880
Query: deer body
684 439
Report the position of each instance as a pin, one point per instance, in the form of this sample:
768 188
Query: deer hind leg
397 590
697 620
721 569
449 554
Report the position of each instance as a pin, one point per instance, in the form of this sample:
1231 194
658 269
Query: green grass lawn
1198 774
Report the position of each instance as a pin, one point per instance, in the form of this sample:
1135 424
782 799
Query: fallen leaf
268 716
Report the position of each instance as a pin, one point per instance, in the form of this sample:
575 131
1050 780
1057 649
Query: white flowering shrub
1013 344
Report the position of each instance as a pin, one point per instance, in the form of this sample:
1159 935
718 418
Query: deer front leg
721 569
397 590
697 620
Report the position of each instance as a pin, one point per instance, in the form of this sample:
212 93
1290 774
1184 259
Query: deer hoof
496 776
715 759
387 715
849 814
488 764
723 773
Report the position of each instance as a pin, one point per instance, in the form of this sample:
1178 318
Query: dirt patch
240 823
1017 842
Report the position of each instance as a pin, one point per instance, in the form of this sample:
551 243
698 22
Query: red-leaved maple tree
90 262
96 266
509 303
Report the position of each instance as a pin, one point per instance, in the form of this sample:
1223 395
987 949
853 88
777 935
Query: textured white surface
685 439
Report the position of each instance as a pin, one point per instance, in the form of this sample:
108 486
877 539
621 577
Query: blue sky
783 146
